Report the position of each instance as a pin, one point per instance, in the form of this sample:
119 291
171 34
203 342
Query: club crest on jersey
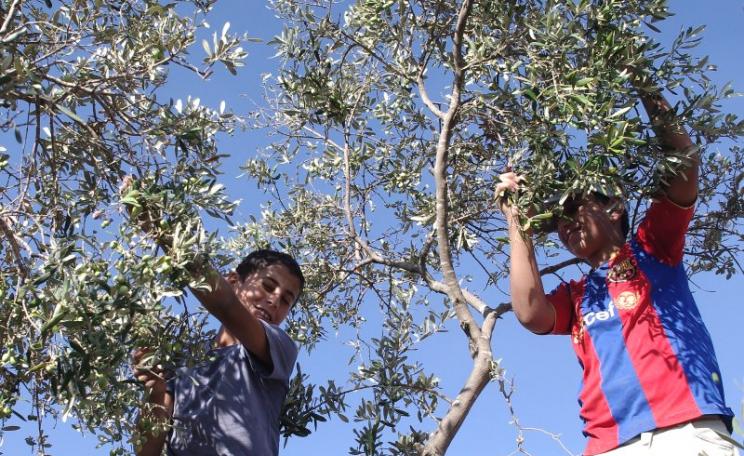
627 300
622 271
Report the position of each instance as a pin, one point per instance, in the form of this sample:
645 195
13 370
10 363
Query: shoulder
663 229
277 336
661 208
565 299
282 354
570 289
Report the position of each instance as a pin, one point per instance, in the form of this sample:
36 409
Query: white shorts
701 437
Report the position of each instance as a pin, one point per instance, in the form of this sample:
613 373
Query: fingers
508 182
153 379
139 355
125 184
511 179
155 371
143 372
148 379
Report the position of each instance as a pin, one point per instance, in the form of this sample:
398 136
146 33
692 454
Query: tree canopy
396 118
390 123
80 84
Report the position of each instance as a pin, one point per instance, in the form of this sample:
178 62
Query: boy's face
269 293
588 228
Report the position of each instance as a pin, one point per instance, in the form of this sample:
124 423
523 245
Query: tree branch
14 247
441 183
10 14
425 95
557 267
479 341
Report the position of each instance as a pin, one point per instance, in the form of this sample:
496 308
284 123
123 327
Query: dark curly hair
261 259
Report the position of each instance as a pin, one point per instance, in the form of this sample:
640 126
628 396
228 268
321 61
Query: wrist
158 393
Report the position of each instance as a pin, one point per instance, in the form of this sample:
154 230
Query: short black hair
263 258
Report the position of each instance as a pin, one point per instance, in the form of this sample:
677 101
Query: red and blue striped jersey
647 358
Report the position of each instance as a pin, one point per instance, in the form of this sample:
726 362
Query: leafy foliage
396 118
80 286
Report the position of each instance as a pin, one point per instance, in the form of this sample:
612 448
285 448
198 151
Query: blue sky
544 368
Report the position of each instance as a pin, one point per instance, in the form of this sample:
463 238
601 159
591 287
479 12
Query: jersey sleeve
283 352
561 300
662 231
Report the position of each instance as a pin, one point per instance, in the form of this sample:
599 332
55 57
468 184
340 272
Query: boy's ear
232 278
616 209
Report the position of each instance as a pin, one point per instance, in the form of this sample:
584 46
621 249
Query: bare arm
220 300
530 305
163 409
161 405
223 303
682 188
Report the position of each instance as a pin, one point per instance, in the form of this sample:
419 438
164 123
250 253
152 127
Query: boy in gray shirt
230 404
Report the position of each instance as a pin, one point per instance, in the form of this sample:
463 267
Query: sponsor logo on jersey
589 319
592 317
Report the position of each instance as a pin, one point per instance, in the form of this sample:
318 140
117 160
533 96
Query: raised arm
530 305
682 188
220 300
236 317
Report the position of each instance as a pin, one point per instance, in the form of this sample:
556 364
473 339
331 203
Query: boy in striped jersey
651 384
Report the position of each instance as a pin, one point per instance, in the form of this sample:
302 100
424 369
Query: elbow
533 324
538 318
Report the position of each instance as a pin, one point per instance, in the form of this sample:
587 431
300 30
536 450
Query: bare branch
479 342
477 380
441 182
425 95
14 247
10 14
557 267
371 52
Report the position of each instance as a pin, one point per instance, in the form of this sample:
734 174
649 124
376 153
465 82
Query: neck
224 338
606 254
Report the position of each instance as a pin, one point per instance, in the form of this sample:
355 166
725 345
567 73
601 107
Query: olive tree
393 120
82 108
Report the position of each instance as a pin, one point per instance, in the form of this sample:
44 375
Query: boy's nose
273 297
